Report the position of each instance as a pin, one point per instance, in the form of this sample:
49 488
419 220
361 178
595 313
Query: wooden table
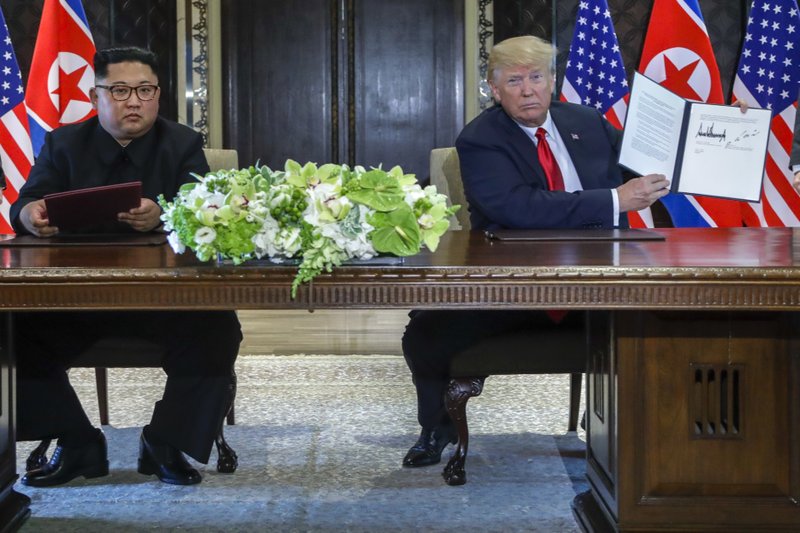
694 362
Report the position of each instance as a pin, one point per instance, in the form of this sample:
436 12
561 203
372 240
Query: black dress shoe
429 446
166 462
67 463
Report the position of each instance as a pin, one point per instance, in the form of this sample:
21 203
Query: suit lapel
578 142
525 149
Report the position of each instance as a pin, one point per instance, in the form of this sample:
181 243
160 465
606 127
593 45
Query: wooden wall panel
356 82
277 71
408 81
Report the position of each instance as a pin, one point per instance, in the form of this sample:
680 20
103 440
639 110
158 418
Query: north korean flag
677 54
61 71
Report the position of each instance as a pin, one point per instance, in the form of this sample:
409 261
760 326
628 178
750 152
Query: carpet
320 440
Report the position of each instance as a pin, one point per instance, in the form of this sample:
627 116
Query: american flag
769 76
595 75
16 152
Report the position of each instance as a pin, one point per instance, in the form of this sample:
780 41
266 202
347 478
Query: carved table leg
38 457
227 460
459 390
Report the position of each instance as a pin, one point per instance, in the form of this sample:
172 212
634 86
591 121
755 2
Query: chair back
221 159
446 175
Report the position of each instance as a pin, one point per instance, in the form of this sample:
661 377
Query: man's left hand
146 217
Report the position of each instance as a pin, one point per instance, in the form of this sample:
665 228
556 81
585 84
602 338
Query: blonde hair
524 51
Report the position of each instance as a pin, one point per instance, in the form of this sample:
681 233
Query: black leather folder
599 234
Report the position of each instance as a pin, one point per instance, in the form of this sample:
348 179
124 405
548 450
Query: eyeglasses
120 93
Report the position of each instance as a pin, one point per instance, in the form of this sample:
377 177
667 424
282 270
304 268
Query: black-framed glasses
120 93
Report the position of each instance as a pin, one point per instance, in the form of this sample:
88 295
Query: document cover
83 208
596 234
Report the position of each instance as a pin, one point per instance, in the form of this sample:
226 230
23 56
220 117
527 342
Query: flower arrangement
320 215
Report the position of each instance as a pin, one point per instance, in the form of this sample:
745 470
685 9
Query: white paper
724 153
724 150
652 128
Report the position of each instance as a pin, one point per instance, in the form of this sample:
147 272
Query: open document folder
703 149
84 208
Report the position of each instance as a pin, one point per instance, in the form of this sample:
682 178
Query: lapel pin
575 137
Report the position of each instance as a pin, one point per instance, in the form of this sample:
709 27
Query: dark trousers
200 350
433 339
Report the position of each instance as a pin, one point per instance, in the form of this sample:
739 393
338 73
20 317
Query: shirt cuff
796 168
615 201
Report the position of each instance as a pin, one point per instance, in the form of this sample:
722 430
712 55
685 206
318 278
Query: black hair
134 54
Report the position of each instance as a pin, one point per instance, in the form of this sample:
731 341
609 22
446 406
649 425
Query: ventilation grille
715 406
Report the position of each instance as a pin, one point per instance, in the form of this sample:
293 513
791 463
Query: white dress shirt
572 182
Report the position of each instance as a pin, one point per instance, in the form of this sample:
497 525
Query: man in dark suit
525 163
126 141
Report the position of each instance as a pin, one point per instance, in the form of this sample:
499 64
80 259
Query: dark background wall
353 81
364 82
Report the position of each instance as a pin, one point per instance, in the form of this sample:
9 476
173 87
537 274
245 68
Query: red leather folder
84 208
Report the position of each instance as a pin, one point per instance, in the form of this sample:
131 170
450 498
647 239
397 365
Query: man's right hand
641 192
34 217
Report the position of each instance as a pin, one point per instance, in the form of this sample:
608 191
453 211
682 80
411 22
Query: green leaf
377 190
396 232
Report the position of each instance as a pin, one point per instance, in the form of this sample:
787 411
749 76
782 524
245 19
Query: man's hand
146 217
641 192
796 182
34 217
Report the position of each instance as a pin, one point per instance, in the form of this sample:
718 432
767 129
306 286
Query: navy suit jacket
506 187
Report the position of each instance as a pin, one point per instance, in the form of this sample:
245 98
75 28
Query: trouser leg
201 351
433 338
47 405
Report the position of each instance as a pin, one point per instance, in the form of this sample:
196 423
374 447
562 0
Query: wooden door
348 81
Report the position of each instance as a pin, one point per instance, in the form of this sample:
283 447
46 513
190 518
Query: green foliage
323 215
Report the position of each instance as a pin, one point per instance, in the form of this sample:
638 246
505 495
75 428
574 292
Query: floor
320 441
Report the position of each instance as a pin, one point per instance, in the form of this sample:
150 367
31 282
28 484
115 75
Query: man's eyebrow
142 82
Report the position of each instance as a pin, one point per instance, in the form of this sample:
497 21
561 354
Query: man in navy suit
525 163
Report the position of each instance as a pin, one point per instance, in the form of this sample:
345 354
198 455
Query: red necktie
548 162
556 183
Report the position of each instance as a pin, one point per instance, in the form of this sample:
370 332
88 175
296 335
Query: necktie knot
541 134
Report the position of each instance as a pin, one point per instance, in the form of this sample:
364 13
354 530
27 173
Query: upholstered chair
561 350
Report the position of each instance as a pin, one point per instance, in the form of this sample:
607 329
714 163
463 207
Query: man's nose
527 87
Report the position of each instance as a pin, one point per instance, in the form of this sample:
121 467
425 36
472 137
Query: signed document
703 149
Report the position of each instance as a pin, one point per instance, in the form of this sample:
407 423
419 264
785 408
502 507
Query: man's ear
495 95
93 97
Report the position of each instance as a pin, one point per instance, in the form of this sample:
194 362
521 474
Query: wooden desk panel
646 470
744 268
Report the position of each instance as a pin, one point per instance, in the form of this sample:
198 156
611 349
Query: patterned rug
320 440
